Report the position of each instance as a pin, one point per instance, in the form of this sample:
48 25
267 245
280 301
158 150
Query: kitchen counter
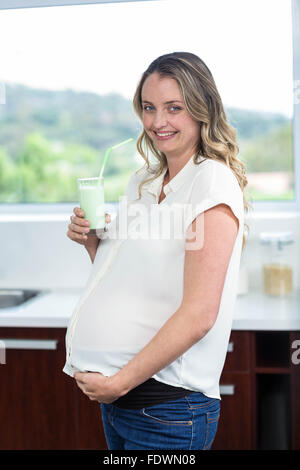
253 311
51 309
257 311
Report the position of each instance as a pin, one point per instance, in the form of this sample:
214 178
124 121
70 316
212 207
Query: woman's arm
92 245
78 231
204 276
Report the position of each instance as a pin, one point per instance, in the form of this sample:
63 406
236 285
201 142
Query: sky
246 44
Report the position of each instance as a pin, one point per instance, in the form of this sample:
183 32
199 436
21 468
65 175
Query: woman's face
165 118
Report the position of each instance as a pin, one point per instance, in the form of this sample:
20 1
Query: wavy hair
203 102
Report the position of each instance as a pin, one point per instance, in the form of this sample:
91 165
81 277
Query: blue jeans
188 423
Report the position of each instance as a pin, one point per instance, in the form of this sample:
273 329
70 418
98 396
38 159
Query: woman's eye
147 107
175 108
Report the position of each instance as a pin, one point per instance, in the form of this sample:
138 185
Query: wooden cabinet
260 405
42 408
235 426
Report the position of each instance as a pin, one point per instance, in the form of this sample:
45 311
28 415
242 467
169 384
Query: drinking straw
108 152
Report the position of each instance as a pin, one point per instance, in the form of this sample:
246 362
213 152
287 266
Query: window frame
13 4
290 206
258 206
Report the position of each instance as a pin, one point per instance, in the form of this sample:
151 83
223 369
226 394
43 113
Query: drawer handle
39 344
2 353
227 389
230 347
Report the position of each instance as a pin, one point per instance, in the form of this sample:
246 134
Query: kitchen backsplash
36 253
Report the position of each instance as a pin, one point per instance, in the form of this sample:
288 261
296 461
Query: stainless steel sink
14 297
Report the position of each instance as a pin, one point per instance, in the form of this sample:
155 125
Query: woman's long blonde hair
204 104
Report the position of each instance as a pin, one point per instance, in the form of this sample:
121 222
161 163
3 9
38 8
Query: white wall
36 253
255 252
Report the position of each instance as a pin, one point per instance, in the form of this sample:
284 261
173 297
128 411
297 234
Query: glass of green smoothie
91 195
91 199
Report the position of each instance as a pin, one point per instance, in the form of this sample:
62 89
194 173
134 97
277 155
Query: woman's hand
97 386
78 229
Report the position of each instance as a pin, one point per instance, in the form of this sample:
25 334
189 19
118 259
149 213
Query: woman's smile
164 135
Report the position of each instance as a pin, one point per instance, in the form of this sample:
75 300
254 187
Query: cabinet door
238 352
234 430
90 430
38 401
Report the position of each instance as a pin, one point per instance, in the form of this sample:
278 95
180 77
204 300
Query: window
68 76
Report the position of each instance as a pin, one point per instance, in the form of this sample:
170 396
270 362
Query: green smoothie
91 198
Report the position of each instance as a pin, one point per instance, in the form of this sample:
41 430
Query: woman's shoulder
215 180
206 164
219 173
215 183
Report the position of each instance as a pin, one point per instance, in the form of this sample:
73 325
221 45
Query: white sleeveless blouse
136 280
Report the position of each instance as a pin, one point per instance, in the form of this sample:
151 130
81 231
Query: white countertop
253 311
51 309
258 311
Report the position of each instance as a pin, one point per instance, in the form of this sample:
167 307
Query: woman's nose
160 120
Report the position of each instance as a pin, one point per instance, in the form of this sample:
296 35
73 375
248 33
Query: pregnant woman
149 335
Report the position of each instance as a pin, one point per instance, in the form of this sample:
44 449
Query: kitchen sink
15 297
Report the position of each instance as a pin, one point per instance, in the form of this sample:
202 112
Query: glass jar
276 271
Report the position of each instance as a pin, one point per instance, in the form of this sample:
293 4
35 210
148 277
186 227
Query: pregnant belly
111 328
106 362
106 341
